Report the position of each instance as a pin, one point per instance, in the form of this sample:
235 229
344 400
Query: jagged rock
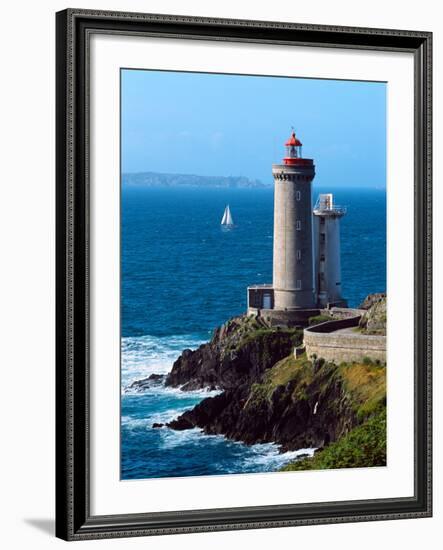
145 383
373 321
372 299
180 424
268 394
157 425
157 377
311 409
238 353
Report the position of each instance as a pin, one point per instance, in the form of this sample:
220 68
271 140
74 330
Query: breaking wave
149 452
145 355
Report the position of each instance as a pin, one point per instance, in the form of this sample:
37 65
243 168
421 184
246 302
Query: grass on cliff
365 383
295 334
317 319
249 334
364 446
249 329
289 369
363 386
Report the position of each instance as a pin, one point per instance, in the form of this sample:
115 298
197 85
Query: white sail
227 217
229 220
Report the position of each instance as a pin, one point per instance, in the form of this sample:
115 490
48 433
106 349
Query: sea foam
145 355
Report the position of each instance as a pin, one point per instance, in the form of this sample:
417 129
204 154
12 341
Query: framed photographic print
243 274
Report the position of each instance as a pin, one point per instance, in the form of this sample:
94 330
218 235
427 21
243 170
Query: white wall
27 274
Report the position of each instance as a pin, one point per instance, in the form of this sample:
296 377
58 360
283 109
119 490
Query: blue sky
210 124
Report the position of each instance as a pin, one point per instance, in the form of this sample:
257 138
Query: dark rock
302 456
282 417
180 424
154 376
157 425
255 408
146 383
238 353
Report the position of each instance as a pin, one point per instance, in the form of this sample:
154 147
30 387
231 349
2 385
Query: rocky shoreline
238 354
270 396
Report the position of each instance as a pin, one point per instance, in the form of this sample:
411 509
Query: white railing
334 210
323 206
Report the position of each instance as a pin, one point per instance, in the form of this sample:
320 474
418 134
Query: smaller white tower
327 266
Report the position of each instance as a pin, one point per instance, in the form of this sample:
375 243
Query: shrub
318 363
317 319
364 446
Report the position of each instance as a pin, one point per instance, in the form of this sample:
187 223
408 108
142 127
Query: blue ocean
181 276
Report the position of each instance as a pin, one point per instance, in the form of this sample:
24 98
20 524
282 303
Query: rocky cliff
364 446
269 395
374 320
295 403
239 352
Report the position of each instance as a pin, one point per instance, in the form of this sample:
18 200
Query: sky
236 125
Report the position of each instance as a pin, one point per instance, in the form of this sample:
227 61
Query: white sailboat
227 220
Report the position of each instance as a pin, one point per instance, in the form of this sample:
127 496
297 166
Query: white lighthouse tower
306 259
293 277
327 251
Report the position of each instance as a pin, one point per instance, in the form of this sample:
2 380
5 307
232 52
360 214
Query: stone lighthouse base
284 318
261 305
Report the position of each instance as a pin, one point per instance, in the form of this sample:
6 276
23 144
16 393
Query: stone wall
335 324
344 346
290 318
345 312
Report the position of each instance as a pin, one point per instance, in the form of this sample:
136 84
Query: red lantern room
293 150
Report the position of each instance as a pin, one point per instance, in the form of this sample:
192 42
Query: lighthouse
327 264
306 248
293 276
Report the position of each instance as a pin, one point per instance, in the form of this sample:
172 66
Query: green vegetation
363 384
356 390
267 335
244 331
294 401
367 385
298 371
363 446
317 319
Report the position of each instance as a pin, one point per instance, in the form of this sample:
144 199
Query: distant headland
157 179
